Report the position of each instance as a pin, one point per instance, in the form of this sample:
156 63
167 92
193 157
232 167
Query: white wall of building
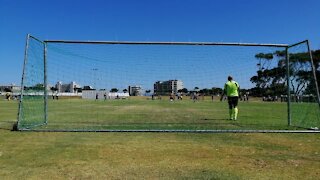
91 94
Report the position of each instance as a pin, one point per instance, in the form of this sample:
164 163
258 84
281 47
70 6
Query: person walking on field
231 89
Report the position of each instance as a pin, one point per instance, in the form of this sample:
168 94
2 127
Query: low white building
11 87
102 94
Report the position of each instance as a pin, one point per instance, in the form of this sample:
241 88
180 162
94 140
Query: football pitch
142 113
67 155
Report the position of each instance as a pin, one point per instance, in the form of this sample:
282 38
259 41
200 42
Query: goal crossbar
165 43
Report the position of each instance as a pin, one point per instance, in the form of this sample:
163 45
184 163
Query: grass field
138 113
48 155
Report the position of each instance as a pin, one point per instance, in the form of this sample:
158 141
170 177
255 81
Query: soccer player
231 89
171 97
8 96
105 96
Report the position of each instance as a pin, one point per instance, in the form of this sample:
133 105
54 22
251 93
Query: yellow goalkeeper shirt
231 88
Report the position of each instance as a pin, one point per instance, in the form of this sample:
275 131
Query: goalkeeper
231 89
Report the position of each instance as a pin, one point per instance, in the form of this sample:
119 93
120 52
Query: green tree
271 80
216 90
37 87
114 90
206 91
53 89
184 90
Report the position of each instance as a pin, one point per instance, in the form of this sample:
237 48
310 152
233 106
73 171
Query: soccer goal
167 86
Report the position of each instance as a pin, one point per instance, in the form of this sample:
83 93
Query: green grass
140 113
47 155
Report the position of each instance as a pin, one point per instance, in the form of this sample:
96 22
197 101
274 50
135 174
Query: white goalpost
148 86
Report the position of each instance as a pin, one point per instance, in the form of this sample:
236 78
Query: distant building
71 87
103 95
9 88
167 87
135 90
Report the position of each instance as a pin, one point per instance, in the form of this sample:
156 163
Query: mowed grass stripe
140 113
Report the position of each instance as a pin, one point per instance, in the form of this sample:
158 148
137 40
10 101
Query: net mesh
159 87
31 110
304 101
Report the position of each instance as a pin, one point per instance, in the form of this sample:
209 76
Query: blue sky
272 21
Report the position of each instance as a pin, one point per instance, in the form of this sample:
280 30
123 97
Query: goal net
166 86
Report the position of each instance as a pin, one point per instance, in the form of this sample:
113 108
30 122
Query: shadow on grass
146 123
6 125
215 119
143 125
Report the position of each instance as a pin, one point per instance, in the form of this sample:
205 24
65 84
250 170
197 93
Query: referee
231 89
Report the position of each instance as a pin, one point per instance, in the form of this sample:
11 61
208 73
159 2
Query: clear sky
261 21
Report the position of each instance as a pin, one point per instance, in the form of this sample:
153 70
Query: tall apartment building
167 87
67 87
135 90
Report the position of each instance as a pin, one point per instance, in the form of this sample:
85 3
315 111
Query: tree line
272 80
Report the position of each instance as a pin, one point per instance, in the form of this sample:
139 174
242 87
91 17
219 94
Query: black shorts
233 101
